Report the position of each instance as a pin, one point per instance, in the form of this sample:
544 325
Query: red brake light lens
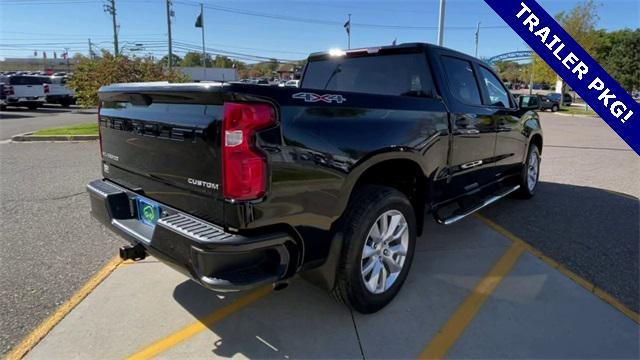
46 88
244 168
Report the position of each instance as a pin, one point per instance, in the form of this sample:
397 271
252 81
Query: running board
464 213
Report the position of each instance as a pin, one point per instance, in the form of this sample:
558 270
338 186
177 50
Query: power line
324 22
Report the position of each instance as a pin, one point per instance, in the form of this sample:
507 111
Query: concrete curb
576 115
31 137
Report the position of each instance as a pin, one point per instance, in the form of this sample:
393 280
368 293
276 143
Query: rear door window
394 74
462 81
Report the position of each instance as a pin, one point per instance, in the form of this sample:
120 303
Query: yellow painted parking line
200 325
606 297
43 329
454 327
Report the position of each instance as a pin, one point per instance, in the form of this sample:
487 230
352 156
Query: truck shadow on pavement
300 322
591 231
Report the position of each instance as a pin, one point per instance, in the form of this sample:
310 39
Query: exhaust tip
280 285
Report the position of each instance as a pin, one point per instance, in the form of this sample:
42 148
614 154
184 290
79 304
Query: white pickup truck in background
59 93
24 90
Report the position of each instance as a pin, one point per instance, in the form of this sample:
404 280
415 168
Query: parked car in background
556 97
59 93
26 90
3 95
547 103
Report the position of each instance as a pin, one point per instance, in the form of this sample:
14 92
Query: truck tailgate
166 147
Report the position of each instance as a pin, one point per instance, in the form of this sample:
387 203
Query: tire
528 181
369 207
554 108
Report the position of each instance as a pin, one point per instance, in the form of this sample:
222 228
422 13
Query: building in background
286 71
198 74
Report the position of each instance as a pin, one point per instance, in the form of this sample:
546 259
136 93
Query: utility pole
111 9
169 14
441 23
66 57
204 51
90 49
477 37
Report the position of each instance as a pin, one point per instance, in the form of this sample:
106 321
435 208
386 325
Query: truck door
473 126
510 140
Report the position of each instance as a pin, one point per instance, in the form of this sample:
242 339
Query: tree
619 54
194 59
176 60
222 62
90 74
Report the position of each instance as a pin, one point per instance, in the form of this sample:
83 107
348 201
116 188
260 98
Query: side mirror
527 102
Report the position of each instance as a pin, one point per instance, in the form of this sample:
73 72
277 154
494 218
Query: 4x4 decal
311 97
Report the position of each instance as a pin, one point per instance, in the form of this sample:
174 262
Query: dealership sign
569 60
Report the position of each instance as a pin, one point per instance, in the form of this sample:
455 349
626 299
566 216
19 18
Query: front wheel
554 108
530 173
380 234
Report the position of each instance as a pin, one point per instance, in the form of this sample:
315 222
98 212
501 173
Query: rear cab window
26 80
404 74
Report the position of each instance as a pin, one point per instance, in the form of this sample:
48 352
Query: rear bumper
26 100
58 98
216 259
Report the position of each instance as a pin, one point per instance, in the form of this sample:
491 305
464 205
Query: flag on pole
394 42
199 21
347 26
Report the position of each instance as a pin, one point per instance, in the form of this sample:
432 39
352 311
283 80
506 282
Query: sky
282 29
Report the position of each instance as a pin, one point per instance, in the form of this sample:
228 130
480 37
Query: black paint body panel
165 134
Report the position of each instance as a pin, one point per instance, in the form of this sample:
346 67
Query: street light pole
349 33
170 60
441 23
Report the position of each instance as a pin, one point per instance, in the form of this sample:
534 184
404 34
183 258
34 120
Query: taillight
8 89
244 168
46 88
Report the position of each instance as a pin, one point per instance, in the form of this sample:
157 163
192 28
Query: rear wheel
380 235
530 173
554 108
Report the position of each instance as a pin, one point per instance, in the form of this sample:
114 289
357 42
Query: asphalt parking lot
14 121
476 289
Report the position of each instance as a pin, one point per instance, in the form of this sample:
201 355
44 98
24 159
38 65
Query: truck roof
404 47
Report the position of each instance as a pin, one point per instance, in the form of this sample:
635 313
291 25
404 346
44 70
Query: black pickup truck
240 185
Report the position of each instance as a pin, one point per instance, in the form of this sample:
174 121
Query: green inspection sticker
148 212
